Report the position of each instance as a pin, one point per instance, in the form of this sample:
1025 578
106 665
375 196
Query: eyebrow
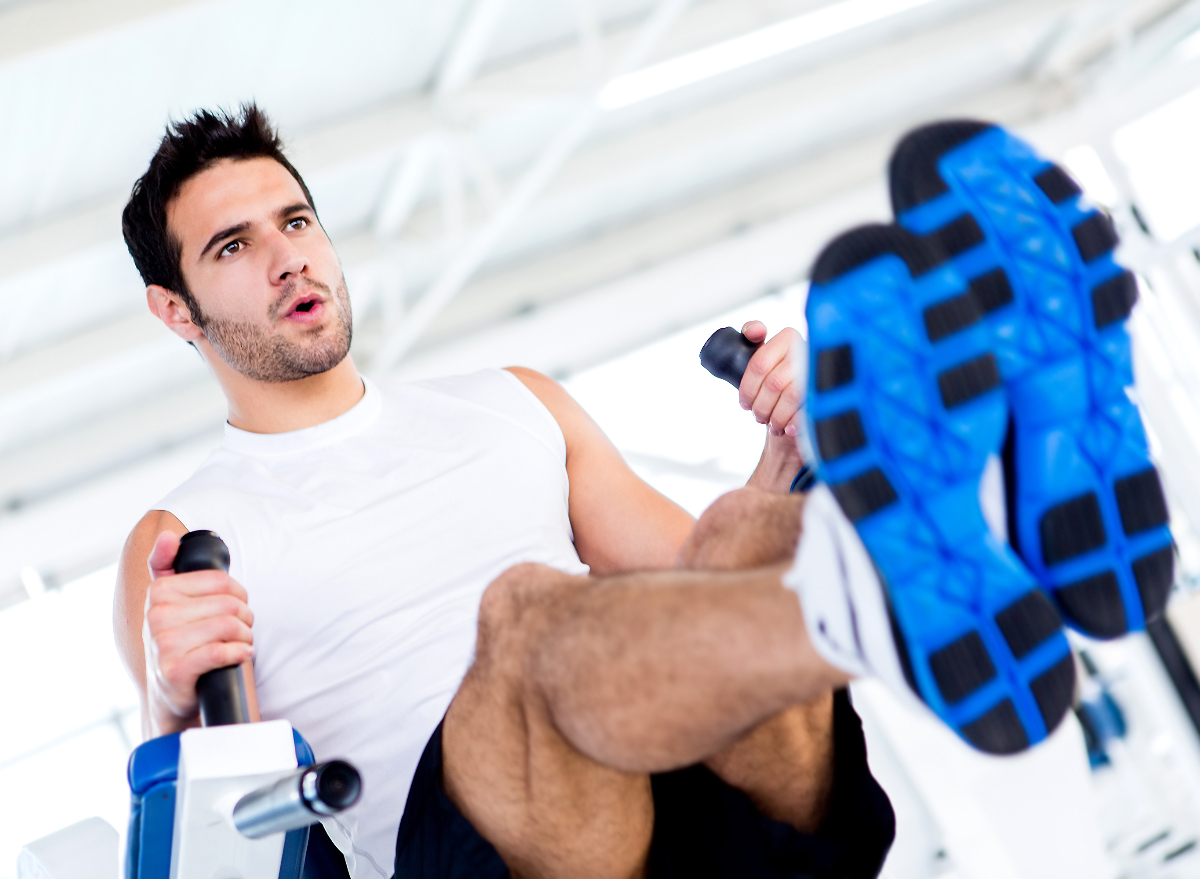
223 234
230 231
296 208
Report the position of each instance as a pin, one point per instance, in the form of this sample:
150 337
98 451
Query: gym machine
231 799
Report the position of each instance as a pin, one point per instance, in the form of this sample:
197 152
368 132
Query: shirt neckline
350 423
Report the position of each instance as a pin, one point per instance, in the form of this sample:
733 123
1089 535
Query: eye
231 248
297 223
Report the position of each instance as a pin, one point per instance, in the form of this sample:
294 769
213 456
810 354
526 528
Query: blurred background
589 188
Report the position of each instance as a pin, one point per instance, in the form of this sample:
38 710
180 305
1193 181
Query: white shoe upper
841 597
843 601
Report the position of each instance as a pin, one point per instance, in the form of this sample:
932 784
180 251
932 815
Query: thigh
547 809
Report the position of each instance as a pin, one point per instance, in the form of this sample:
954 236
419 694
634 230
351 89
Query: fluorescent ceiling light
755 46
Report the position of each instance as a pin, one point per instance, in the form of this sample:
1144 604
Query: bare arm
778 466
620 522
191 623
771 389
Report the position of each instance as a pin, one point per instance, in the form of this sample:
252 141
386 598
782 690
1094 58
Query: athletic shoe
1085 505
904 419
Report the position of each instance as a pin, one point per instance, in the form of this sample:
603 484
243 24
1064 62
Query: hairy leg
583 686
785 764
653 671
549 810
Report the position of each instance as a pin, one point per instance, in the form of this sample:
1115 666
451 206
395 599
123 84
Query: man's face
269 289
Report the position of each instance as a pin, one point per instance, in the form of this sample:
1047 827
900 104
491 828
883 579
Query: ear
169 308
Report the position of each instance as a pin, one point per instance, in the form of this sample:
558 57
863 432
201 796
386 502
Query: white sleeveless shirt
365 544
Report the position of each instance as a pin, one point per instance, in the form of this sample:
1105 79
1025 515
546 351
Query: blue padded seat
153 769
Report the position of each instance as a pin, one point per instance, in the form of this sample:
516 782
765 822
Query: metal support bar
589 38
1178 669
404 190
465 56
531 184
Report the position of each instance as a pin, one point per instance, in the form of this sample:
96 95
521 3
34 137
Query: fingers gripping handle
726 355
201 551
222 691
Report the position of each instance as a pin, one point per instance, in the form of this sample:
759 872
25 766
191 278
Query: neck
262 407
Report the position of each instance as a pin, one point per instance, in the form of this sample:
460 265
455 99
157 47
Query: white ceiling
412 120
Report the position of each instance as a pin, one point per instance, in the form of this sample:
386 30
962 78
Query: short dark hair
186 149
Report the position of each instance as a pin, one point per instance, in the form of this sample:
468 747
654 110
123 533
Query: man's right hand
192 623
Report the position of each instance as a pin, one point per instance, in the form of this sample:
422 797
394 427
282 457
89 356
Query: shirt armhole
554 429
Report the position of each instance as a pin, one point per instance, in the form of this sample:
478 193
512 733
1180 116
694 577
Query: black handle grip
222 691
334 786
726 354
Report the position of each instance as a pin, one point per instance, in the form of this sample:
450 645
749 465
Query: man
364 524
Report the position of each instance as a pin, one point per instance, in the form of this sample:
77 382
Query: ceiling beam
637 198
26 28
663 171
63 277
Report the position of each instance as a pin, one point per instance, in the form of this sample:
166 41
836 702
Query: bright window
70 715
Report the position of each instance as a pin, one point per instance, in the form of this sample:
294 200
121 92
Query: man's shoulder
494 389
455 385
514 395
212 478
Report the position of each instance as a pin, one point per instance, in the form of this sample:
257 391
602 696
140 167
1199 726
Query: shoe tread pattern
839 435
967 381
919 182
998 732
1154 574
951 315
1067 326
866 494
1095 604
1113 300
1095 236
1057 184
991 291
1028 622
962 667
1072 528
956 237
1054 690
956 652
835 367
1140 502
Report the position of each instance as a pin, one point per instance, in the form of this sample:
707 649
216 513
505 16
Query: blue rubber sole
903 425
1086 506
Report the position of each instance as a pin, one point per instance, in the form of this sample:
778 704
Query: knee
514 609
736 506
722 519
518 593
743 528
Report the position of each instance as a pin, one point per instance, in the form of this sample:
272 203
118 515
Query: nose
287 261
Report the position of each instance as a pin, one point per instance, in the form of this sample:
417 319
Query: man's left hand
771 384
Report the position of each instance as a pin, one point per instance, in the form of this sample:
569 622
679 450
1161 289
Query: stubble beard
256 352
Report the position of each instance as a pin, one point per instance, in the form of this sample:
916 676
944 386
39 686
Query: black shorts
702 826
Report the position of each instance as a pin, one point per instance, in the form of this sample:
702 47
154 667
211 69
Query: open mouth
309 305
